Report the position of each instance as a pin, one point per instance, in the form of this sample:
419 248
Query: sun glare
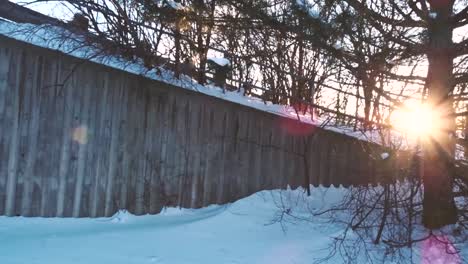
416 119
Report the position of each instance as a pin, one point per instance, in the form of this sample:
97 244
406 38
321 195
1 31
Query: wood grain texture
78 139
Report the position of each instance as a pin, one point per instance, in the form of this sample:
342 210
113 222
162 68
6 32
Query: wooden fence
108 140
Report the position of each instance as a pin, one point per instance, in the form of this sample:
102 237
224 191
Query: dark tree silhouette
419 33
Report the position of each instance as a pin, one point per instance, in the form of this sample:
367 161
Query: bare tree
399 31
299 46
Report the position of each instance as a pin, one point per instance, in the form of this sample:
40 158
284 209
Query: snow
220 61
433 15
242 232
311 11
175 5
384 155
337 45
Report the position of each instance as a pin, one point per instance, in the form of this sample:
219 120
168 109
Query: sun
417 119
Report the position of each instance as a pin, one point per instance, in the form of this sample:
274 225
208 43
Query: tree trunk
202 54
438 205
177 50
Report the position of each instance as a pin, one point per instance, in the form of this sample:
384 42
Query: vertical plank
282 156
241 173
54 90
242 154
230 165
266 172
372 158
365 164
152 186
315 159
165 188
202 156
300 167
140 153
99 141
24 128
210 165
324 160
257 155
347 164
16 78
291 166
271 163
146 158
216 163
66 142
197 152
76 106
80 135
252 149
172 155
115 110
331 160
340 162
354 163
181 149
220 192
40 165
278 159
190 134
33 137
93 145
157 135
127 141
5 62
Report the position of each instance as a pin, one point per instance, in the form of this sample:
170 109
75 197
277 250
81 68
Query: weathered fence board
80 139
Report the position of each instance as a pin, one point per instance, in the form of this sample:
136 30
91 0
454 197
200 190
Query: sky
50 8
58 10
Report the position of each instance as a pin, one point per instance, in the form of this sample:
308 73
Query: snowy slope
236 233
242 232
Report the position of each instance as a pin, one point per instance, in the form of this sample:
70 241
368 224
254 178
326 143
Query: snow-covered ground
242 232
237 233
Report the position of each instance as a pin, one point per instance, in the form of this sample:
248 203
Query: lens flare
439 250
80 135
417 119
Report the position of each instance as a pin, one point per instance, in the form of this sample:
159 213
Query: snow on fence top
220 61
59 39
174 5
313 12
